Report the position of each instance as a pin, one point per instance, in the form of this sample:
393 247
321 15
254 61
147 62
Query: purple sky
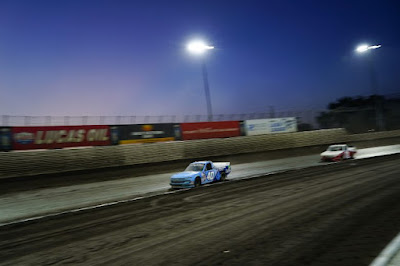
128 57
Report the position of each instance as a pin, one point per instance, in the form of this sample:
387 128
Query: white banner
268 126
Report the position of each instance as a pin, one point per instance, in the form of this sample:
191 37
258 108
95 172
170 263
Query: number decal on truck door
210 175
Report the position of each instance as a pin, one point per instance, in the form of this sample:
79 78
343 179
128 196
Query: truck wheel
197 182
222 178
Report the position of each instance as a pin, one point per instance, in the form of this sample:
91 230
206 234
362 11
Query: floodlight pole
374 84
199 47
378 103
207 91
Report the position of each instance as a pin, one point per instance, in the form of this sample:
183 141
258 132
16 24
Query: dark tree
304 127
358 114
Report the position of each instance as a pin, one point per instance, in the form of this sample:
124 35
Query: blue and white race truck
199 173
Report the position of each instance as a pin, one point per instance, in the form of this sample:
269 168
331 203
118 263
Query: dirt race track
337 214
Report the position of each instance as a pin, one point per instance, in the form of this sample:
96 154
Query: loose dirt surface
337 214
27 183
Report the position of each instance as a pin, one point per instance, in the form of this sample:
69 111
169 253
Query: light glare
375 46
364 47
198 47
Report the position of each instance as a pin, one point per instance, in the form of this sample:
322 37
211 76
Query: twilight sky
120 57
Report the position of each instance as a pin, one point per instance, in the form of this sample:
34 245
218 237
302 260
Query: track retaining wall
15 164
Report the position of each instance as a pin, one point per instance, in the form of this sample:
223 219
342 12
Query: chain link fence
304 116
354 120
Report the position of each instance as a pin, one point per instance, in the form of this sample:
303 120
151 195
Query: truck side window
208 167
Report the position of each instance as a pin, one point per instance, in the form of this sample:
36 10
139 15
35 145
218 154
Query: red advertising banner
52 137
208 130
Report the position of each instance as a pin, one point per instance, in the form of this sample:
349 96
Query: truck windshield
196 167
335 148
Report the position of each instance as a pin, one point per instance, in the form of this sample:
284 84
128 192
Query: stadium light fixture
365 47
198 47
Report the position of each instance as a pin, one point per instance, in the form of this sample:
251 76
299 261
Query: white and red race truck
338 152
